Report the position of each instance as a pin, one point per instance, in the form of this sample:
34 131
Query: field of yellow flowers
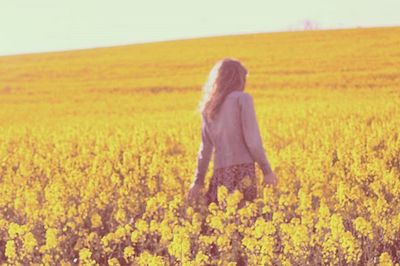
98 149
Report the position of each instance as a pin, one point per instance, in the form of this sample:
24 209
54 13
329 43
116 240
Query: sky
28 26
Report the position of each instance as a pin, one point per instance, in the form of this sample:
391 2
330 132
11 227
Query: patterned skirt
238 176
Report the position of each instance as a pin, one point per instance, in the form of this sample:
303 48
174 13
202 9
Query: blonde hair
226 76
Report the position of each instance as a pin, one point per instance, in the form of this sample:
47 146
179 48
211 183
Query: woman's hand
194 191
270 179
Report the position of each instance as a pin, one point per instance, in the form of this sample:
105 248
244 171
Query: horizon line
196 37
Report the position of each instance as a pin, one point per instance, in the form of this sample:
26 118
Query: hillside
352 58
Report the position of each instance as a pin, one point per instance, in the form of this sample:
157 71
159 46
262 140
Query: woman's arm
251 132
204 155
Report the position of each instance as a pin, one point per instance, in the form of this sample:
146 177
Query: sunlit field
98 149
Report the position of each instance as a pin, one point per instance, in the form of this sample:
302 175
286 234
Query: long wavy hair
226 76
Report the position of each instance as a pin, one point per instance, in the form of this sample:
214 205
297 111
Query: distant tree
310 25
304 25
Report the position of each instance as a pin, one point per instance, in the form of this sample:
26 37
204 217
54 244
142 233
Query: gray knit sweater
233 136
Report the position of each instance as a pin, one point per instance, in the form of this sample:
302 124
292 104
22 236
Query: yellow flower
10 252
216 223
154 226
85 254
96 220
128 252
166 231
385 259
14 230
180 245
201 258
336 226
142 225
113 262
350 247
51 238
363 227
146 258
120 233
213 208
135 236
29 242
120 215
151 205
189 211
233 200
222 193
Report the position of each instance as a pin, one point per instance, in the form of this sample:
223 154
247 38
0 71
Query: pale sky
53 25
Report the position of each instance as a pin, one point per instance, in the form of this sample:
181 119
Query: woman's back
233 135
226 133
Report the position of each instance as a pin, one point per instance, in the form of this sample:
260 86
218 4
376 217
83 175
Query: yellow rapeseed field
98 149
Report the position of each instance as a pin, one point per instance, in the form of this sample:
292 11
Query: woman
230 130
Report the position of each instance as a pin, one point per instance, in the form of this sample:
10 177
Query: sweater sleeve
251 132
203 155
